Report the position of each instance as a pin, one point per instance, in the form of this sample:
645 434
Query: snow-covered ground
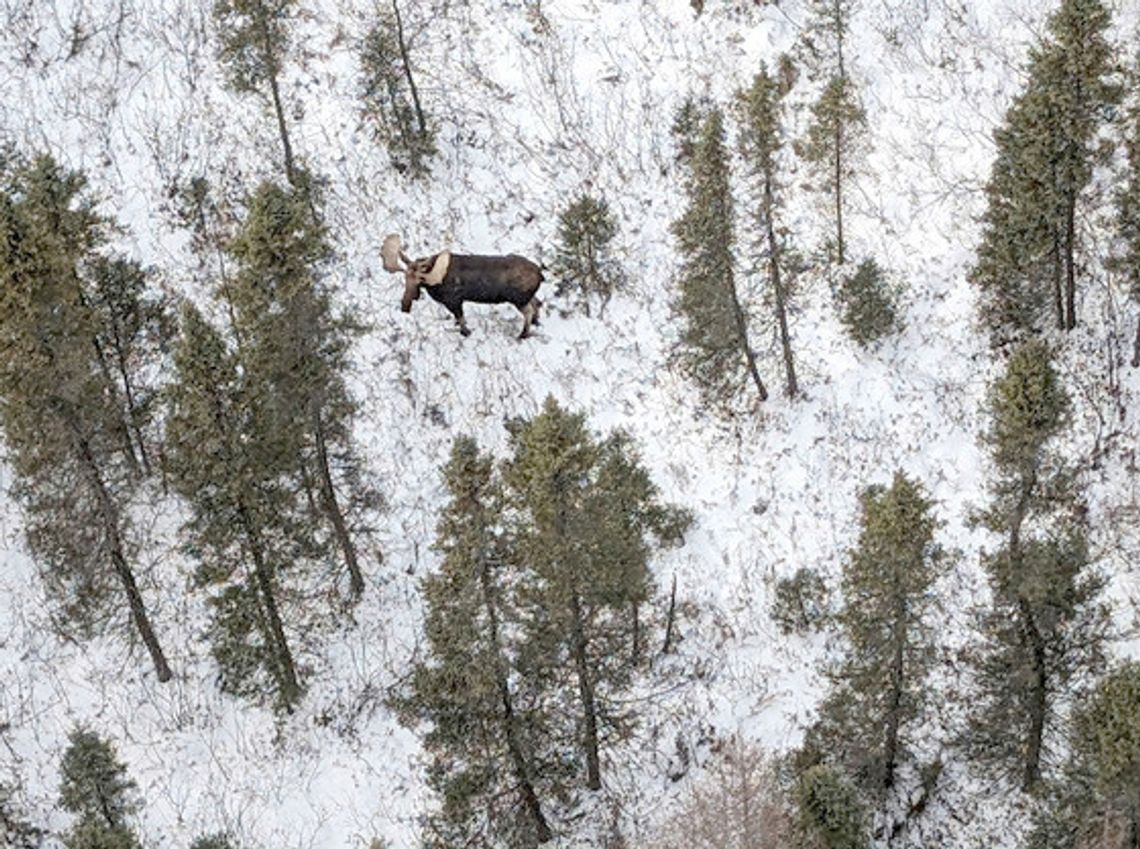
537 101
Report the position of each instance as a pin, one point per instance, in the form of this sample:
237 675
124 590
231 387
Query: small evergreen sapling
867 304
584 264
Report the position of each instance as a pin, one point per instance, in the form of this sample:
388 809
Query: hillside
535 102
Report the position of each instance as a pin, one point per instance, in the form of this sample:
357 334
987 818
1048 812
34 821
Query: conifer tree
583 263
94 786
254 43
62 419
1127 258
225 461
489 737
838 122
293 355
715 350
759 111
1096 802
1046 152
392 99
1045 628
16 831
831 814
584 513
867 304
878 689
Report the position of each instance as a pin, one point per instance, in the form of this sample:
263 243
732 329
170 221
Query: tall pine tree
1045 627
94 786
715 349
293 352
60 406
878 688
225 461
759 110
492 757
1127 257
1046 152
586 519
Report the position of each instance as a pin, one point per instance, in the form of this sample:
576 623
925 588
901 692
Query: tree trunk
408 68
895 696
791 386
1136 347
838 178
1070 267
1058 283
519 762
131 409
667 645
586 693
275 95
110 518
742 332
285 672
332 507
1039 695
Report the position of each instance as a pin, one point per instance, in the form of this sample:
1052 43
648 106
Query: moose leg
530 314
457 311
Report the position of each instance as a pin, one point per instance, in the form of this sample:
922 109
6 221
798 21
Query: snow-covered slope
531 110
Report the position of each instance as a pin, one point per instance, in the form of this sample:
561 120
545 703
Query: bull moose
452 279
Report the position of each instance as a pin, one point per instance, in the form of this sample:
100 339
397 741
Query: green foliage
94 786
583 263
867 304
831 815
253 40
1045 629
714 349
219 840
17 832
878 689
1046 147
800 603
391 103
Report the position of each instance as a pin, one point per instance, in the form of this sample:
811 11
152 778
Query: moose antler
391 253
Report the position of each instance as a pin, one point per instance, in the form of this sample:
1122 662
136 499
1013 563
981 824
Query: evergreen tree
294 355
714 349
867 304
759 111
878 689
583 262
94 786
71 449
491 756
254 43
244 529
1096 804
16 832
391 98
1027 261
831 815
583 514
1127 258
838 122
219 840
1046 626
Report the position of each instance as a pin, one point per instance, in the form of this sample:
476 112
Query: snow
527 119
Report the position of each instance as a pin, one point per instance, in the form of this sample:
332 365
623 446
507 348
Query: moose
452 279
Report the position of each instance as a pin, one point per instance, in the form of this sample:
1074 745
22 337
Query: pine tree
1046 627
714 349
584 512
219 840
878 689
244 529
1027 261
1096 803
1127 258
838 122
867 304
831 815
759 110
489 736
254 44
391 97
294 355
583 263
71 448
94 786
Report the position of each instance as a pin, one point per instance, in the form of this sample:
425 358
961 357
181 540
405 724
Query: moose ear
434 275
